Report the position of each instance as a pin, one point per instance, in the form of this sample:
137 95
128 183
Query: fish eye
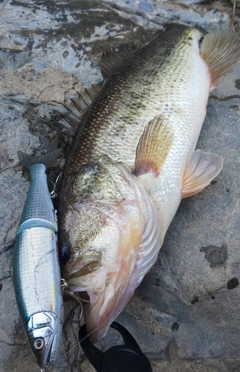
38 344
64 253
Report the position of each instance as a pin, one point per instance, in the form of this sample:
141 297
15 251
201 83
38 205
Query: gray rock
185 314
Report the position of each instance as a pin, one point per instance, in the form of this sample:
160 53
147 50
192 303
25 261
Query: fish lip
106 304
43 337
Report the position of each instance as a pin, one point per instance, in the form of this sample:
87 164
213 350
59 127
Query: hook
66 288
53 193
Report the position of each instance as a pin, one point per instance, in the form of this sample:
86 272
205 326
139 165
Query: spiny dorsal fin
221 51
114 58
84 98
200 170
67 117
153 146
87 95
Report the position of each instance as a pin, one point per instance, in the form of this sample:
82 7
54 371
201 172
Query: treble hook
66 288
53 193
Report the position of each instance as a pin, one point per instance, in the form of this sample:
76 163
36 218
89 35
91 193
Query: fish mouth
111 281
105 272
120 285
113 245
107 279
107 305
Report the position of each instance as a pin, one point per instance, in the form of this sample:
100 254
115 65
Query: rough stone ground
186 313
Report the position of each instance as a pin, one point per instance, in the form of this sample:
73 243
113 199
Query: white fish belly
185 113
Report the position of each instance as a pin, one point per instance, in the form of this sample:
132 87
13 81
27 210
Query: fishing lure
36 269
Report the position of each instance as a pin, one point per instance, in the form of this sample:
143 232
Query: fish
134 158
36 266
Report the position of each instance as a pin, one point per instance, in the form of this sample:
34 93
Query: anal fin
201 169
153 146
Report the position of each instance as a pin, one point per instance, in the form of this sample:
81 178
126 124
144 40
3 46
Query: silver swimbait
36 270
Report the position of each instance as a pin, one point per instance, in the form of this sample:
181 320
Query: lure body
36 270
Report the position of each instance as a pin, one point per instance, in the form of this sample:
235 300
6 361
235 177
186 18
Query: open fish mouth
120 253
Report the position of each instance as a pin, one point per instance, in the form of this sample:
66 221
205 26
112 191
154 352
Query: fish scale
140 133
105 118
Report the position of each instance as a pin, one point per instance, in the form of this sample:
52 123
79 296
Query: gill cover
114 237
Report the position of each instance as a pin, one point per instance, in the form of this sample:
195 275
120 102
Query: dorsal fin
153 146
114 58
85 97
67 117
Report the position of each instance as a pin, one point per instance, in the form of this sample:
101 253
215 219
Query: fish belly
184 115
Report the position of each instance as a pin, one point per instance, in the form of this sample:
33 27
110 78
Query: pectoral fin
154 146
201 169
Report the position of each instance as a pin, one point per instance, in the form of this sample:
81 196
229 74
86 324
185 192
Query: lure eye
38 344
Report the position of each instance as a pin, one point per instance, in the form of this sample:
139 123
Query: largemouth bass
133 159
36 269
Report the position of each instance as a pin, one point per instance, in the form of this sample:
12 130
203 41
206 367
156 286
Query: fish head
44 337
103 225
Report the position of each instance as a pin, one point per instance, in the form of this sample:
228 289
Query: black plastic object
121 358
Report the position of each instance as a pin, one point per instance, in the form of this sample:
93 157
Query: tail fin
47 159
221 51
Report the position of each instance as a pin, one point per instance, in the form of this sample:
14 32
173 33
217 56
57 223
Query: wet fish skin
36 270
117 244
129 99
131 163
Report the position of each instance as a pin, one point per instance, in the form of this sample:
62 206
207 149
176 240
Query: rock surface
185 314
